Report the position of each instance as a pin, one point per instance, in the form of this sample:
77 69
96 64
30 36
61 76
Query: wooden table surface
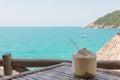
61 71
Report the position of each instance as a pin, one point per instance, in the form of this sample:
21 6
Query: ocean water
51 42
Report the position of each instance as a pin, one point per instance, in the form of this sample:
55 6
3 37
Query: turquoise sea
51 42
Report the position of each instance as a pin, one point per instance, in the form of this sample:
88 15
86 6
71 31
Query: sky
54 12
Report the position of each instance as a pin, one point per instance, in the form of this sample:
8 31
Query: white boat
84 36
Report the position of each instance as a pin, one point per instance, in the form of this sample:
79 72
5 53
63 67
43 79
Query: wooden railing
21 65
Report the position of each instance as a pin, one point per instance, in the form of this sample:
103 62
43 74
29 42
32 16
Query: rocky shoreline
101 26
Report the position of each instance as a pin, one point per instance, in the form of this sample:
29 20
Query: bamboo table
61 71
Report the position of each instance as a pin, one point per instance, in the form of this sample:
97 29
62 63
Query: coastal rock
95 26
101 26
111 50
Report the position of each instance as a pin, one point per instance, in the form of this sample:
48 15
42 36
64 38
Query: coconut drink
84 64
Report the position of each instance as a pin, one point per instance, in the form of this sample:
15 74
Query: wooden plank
57 74
108 71
36 77
27 78
36 62
7 64
102 76
20 78
107 64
